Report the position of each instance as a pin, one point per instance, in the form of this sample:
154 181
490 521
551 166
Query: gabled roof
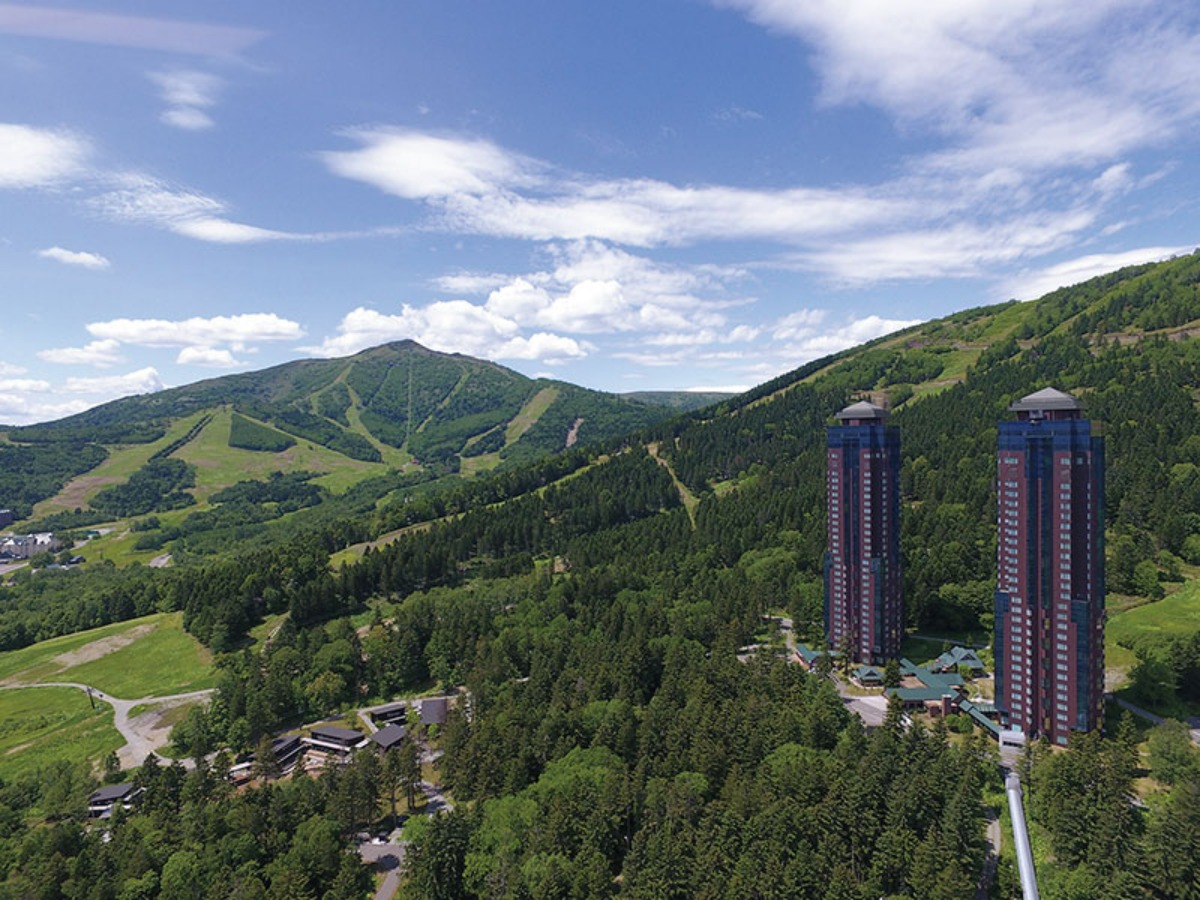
960 656
1045 399
433 710
807 653
868 673
388 708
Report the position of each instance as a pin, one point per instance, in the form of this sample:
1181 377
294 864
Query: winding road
143 734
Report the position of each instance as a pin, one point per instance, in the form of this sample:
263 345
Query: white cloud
1031 285
143 381
143 200
645 213
222 231
39 157
188 94
100 353
1016 85
26 409
23 385
799 324
207 356
80 258
799 346
29 400
476 187
733 114
470 283
238 331
168 35
549 348
961 249
589 307
453 326
187 118
986 198
597 289
415 165
10 369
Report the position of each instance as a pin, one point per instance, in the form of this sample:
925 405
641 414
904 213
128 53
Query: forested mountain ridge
397 406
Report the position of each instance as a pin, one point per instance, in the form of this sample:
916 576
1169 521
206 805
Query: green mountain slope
398 406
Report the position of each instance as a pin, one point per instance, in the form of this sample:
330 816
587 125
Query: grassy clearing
148 657
260 632
690 501
122 462
1174 615
529 414
355 551
392 456
474 465
43 725
218 465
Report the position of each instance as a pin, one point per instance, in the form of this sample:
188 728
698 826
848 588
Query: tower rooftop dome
1046 400
863 409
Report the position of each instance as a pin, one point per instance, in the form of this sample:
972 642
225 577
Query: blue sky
662 194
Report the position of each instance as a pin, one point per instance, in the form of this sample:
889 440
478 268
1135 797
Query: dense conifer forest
590 609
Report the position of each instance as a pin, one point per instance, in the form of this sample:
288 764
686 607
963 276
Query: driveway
389 857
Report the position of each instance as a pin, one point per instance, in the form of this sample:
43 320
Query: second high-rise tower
1049 638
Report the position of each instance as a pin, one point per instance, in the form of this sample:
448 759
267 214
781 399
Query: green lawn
42 725
148 657
1176 614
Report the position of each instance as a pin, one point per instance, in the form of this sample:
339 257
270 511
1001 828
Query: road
994 835
389 857
141 733
871 709
1194 725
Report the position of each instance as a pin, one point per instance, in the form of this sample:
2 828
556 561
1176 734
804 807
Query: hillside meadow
147 657
39 726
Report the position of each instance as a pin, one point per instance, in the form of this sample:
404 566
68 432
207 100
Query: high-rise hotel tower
864 610
1049 639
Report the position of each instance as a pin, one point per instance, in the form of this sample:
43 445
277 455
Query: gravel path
142 734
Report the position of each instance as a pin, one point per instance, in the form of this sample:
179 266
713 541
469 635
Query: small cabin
104 802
